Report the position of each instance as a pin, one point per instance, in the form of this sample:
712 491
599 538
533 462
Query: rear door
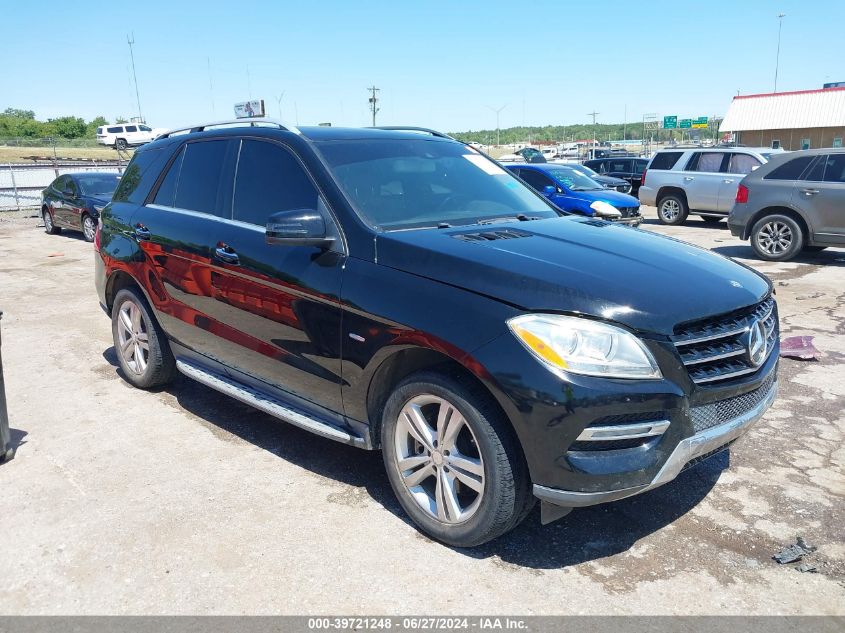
278 305
702 180
173 231
739 166
822 197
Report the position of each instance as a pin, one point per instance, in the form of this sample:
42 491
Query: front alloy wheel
438 459
453 459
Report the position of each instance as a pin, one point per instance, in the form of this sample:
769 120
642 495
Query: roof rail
252 122
409 128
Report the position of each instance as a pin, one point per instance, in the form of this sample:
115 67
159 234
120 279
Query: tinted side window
639 166
202 178
835 169
742 164
269 179
665 160
536 179
166 194
131 128
706 162
59 183
115 130
790 170
620 165
817 170
140 175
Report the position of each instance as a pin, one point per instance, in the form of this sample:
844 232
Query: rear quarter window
790 170
140 176
115 130
665 160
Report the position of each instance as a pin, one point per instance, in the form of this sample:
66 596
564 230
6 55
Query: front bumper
632 221
700 445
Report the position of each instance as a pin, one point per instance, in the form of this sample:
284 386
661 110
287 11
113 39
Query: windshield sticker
484 164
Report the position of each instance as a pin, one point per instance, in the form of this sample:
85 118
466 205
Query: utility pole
777 56
374 102
594 114
131 42
497 111
279 103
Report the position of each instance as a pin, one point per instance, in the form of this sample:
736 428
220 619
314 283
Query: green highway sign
685 123
700 122
670 122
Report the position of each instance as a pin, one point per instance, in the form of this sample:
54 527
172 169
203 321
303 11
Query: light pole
279 102
498 138
777 56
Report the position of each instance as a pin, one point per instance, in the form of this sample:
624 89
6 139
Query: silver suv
794 202
698 181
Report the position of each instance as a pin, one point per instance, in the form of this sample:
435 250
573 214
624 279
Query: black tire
506 497
160 366
49 227
672 210
712 219
121 144
86 220
777 238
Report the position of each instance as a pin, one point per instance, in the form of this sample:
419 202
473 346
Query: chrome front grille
718 349
710 415
629 212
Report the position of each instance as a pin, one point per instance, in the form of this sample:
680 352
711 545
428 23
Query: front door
279 304
739 166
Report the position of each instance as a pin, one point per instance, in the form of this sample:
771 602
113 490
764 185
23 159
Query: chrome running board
267 404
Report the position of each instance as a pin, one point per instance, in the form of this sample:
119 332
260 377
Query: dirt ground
183 501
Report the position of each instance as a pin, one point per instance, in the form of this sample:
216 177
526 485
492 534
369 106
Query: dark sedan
74 201
625 167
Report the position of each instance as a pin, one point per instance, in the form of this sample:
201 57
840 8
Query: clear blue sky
438 63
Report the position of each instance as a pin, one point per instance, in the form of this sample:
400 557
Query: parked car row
404 292
783 202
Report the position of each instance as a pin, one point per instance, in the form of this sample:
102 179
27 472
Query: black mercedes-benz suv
395 289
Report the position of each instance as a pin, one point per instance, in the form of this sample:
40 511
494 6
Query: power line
594 114
373 102
777 56
497 111
131 42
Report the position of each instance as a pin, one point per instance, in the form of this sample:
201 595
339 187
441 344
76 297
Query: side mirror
549 190
298 227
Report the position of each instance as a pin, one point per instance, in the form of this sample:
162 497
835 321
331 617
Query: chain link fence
21 183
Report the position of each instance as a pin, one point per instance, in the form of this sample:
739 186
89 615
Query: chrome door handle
226 254
809 192
141 232
688 178
727 181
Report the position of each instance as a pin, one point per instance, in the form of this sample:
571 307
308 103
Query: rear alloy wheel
453 461
49 227
120 144
142 348
777 238
89 227
672 210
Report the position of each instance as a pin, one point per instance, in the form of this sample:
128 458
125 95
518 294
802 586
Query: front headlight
605 210
582 346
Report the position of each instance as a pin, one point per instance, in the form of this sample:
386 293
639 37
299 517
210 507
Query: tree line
580 132
17 123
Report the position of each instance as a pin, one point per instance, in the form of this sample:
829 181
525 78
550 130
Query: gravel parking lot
184 501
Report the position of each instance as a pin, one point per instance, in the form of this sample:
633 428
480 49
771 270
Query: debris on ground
815 295
56 255
794 552
807 568
799 347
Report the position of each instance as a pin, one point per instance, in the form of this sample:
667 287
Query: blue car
572 191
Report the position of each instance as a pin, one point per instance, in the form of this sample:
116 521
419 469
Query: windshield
98 184
574 180
401 184
583 169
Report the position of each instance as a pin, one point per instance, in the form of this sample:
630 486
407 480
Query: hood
645 281
609 196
